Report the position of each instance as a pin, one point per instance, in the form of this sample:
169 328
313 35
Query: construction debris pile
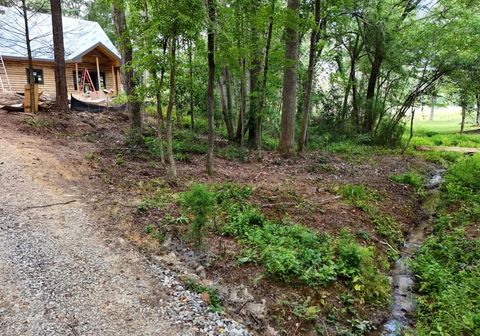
13 102
10 98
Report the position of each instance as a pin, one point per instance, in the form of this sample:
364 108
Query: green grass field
444 130
446 120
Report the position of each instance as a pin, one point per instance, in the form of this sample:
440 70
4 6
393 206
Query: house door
94 76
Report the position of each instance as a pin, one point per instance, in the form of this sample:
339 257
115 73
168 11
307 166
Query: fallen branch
48 205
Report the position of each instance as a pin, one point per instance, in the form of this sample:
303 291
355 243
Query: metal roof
79 36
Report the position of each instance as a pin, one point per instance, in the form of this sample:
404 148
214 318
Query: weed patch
366 199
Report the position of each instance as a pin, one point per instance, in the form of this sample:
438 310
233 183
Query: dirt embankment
116 179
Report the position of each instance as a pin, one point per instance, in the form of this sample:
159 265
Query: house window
93 76
37 76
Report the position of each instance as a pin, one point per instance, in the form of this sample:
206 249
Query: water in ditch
403 303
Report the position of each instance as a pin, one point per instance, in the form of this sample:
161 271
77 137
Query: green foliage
410 178
158 198
293 253
358 193
199 201
214 300
448 263
366 199
152 231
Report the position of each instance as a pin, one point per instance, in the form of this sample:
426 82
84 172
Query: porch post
98 75
76 78
114 80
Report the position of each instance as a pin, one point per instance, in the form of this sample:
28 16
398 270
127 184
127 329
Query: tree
61 98
211 82
286 145
171 103
317 31
128 74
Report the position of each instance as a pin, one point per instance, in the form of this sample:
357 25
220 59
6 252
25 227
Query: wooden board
465 150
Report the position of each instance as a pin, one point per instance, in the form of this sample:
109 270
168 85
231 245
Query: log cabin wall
17 73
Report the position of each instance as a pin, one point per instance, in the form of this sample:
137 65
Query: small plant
199 201
90 156
410 178
159 198
305 311
212 296
152 231
119 160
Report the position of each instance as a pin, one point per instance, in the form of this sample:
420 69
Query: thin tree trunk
128 76
369 122
432 110
307 87
61 98
254 137
223 102
29 55
242 105
228 97
159 105
286 144
211 83
477 121
172 171
464 115
190 68
411 132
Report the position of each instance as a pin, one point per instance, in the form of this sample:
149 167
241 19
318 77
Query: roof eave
78 58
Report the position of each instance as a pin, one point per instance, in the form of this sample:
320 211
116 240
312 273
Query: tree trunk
286 145
254 136
242 105
172 169
190 70
228 96
227 116
59 54
432 110
159 104
464 115
128 76
211 83
369 122
477 120
31 79
308 83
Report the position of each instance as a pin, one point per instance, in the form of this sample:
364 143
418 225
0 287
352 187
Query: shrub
199 201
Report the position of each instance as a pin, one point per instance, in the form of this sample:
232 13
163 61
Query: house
87 47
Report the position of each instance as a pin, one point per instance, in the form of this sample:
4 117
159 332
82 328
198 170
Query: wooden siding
17 73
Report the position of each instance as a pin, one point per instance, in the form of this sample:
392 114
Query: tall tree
211 82
128 75
286 144
61 98
171 103
317 31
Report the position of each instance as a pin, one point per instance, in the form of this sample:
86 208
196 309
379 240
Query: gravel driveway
59 275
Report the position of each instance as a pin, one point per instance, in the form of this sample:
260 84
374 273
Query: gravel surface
61 275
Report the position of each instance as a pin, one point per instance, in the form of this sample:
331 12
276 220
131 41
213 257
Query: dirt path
60 274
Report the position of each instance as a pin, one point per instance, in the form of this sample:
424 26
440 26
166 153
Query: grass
448 263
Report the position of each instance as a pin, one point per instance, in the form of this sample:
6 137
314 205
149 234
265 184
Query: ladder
86 80
4 80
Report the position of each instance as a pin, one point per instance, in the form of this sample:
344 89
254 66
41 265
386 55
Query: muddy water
403 305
